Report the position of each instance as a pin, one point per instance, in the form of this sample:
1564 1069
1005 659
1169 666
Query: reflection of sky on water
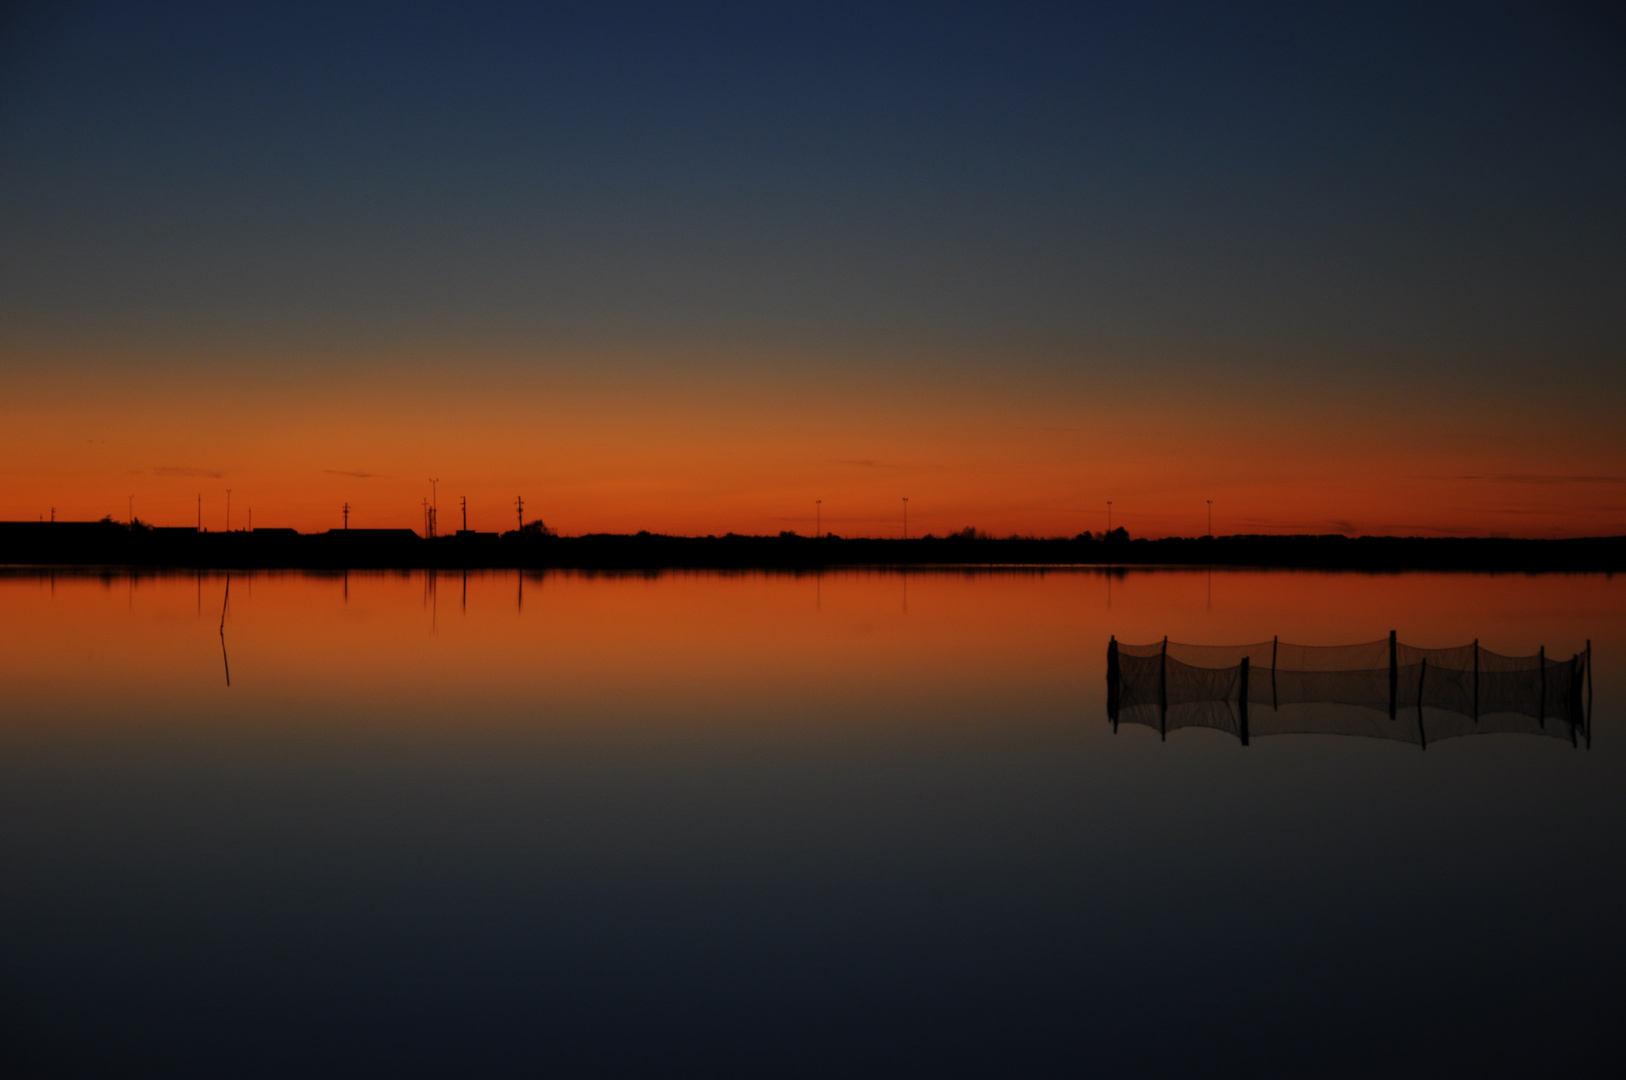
776 823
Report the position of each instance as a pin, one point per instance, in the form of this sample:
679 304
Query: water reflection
772 824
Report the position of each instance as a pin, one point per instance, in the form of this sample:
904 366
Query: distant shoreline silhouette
110 543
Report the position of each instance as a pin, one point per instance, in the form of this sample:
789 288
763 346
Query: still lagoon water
779 825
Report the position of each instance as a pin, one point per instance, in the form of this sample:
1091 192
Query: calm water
778 825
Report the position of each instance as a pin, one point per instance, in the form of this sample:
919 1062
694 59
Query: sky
700 269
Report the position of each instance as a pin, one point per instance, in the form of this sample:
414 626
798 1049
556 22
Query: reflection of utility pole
224 603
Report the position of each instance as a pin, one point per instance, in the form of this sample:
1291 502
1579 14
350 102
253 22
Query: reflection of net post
1113 697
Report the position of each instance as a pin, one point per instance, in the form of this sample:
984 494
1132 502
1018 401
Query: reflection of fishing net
1381 689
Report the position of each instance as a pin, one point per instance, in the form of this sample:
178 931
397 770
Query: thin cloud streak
1538 478
179 470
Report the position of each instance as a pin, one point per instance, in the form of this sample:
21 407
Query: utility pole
132 511
251 519
906 517
465 500
818 518
434 504
1210 517
200 511
1109 516
346 517
519 512
228 509
426 519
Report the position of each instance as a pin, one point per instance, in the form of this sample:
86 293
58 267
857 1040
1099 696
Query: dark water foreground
845 823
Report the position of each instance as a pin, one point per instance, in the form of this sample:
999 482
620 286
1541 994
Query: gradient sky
690 269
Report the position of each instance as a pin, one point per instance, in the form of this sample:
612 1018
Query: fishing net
1381 689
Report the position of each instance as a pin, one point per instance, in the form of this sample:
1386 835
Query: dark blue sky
1427 184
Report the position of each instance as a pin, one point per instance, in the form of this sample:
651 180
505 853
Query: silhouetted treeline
115 543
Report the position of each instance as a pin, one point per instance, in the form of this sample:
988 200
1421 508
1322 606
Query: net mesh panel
1424 696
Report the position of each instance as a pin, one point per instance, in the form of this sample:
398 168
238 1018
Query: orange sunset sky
692 281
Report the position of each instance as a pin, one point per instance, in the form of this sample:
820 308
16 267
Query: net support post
1163 690
1113 676
1242 701
1422 674
1394 675
1274 643
1541 688
1572 699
